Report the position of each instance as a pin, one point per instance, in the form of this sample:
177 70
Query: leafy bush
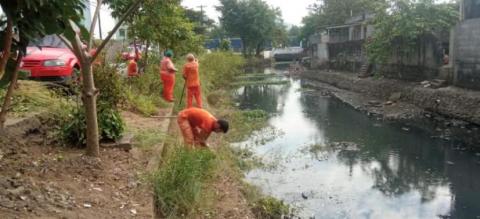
110 85
111 124
73 126
179 184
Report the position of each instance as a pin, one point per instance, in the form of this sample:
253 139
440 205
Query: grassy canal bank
209 183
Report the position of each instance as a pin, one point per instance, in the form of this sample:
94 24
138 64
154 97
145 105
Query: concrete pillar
362 32
350 33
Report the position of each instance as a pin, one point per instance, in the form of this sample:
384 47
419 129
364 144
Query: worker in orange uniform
167 74
197 124
132 69
190 74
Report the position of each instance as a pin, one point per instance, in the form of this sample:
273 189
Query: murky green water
384 172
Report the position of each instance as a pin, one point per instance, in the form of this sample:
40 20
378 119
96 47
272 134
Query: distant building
342 45
122 32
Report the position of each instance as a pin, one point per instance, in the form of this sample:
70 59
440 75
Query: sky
292 11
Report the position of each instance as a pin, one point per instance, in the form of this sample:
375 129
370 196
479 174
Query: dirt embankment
449 101
448 112
39 178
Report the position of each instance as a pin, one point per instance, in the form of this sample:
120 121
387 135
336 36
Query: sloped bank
449 112
451 102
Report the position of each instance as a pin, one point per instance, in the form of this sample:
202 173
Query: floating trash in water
304 196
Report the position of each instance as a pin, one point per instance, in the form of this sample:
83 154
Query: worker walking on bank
192 80
197 124
167 74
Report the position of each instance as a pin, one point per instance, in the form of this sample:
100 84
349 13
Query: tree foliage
163 22
401 26
254 21
294 36
202 23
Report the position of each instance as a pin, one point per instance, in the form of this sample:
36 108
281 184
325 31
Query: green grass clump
147 105
262 82
270 208
148 138
144 93
33 97
181 182
244 122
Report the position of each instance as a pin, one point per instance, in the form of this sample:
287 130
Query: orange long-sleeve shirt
201 121
166 66
190 72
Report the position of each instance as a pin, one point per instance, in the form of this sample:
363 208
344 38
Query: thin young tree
86 58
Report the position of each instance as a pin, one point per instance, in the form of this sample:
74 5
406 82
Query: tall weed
180 183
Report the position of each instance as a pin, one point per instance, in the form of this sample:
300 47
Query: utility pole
202 14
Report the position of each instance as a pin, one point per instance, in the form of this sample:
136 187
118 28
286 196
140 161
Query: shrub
73 126
111 124
180 183
218 69
110 85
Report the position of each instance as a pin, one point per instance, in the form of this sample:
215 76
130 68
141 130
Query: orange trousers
168 84
190 138
194 92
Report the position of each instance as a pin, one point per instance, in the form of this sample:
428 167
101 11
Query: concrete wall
467 54
422 63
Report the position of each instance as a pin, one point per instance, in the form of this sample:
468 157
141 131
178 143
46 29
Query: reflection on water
392 174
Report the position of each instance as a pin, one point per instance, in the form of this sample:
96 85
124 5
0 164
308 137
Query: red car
49 59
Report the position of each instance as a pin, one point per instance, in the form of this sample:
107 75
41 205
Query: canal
330 161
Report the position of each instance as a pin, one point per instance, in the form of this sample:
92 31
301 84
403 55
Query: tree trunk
90 103
145 63
258 50
7 44
8 95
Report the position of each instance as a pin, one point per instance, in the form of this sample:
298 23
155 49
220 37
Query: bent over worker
197 124
167 74
191 75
